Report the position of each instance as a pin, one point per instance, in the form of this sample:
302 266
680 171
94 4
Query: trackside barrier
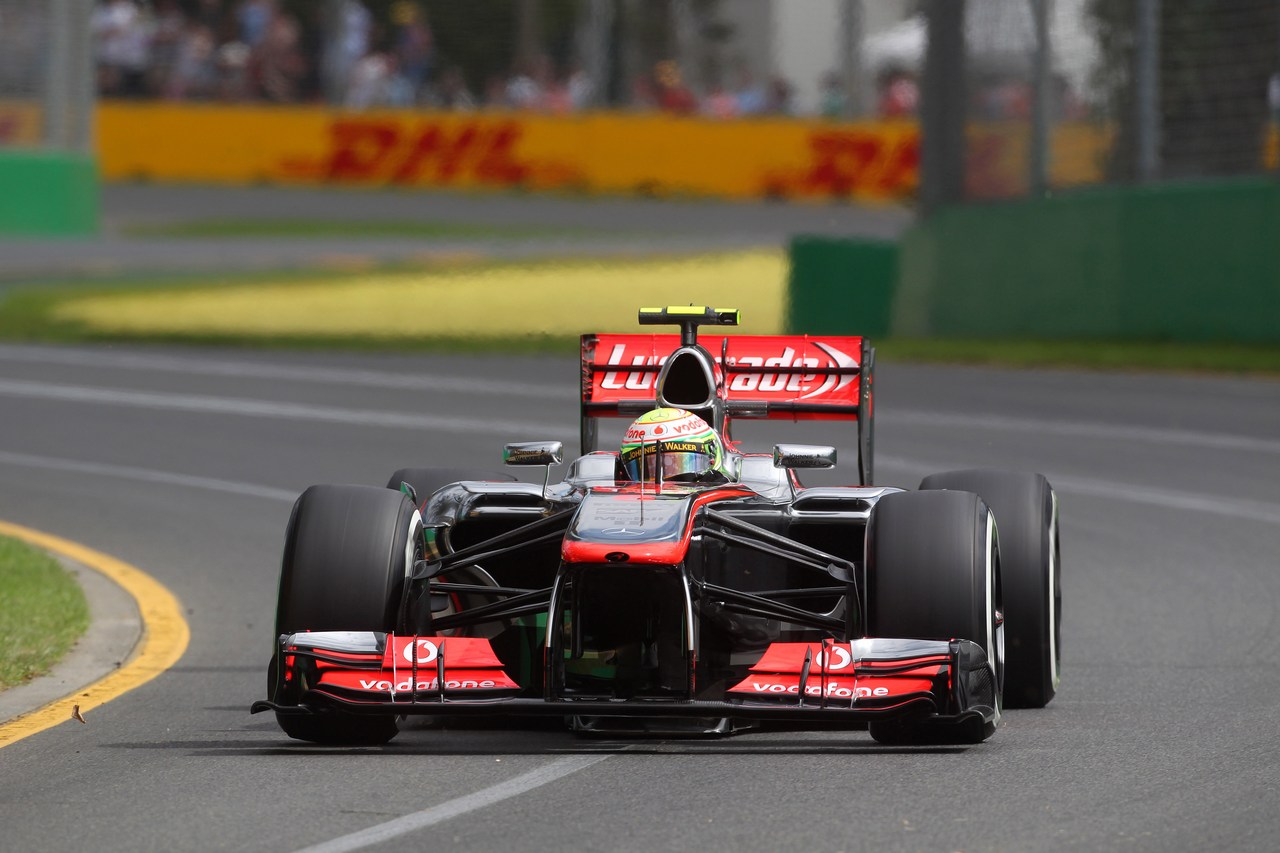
590 152
1176 262
47 193
841 286
603 152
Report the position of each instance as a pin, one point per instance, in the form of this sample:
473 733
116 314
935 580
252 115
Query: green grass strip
1244 359
605 301
324 228
42 612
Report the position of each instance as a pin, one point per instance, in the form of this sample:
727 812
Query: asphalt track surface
185 463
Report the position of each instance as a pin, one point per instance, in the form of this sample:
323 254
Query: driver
673 445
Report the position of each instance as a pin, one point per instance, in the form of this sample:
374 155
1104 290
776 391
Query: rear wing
779 377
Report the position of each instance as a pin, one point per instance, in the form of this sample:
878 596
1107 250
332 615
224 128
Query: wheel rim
995 605
1055 600
414 550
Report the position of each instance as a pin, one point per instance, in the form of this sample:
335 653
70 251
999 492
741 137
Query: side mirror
803 456
533 453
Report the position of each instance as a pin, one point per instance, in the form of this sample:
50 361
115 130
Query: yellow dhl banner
594 153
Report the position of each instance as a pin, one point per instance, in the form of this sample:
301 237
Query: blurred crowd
339 52
230 50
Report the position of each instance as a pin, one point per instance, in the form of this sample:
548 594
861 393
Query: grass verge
461 304
538 305
42 612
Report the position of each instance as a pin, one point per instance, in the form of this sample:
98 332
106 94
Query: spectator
166 41
673 96
123 36
752 98
233 71
556 98
720 103
581 88
779 100
644 92
495 91
371 81
195 72
414 49
527 89
899 94
452 92
347 43
832 102
276 65
289 51
254 18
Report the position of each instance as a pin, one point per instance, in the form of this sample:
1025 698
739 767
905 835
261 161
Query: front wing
942 683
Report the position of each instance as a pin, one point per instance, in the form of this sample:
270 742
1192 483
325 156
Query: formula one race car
682 584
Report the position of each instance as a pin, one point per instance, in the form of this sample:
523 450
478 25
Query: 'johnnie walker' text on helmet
671 445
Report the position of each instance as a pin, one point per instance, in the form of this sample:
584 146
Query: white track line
291 373
1188 500
263 409
1165 498
566 391
453 808
145 475
1081 429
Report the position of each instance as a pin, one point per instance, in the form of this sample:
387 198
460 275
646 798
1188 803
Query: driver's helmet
677 444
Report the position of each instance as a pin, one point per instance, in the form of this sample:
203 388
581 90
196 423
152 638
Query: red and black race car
692 602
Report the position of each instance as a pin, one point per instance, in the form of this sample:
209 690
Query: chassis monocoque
675 607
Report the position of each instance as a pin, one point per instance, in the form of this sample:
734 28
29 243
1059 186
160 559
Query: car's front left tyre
348 551
932 573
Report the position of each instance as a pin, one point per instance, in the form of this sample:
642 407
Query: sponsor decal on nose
839 658
426 652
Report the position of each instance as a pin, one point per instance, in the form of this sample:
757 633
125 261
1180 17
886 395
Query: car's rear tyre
933 574
426 481
1026 512
347 552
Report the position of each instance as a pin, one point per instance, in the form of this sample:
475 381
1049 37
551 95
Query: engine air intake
686 381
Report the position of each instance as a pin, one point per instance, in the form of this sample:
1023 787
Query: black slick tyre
1026 511
347 552
932 573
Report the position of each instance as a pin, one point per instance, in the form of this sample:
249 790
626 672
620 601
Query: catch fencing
48 177
1082 92
46 75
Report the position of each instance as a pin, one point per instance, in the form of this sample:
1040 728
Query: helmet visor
672 458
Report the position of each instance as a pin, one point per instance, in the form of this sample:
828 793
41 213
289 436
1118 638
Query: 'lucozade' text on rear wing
722 377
